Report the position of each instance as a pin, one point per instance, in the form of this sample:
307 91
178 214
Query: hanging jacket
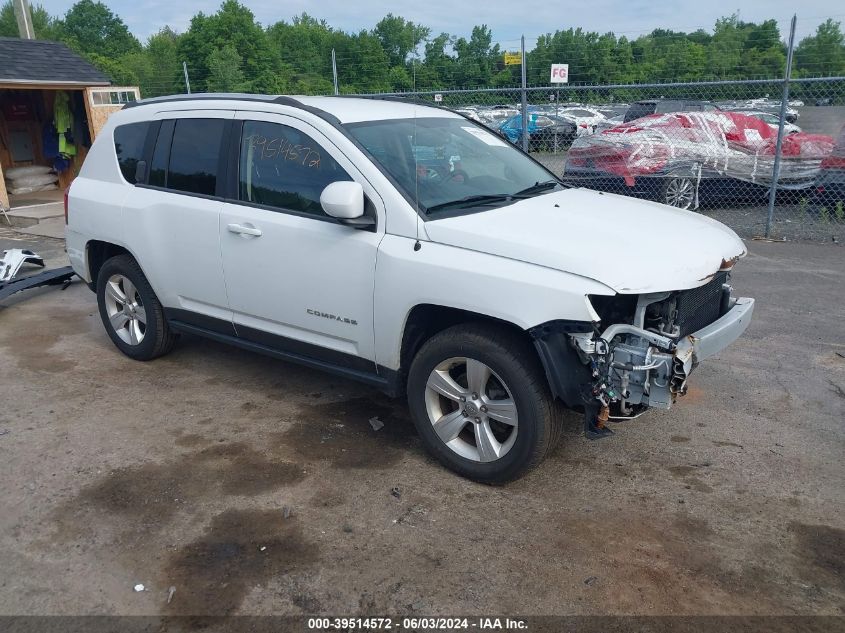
63 119
49 140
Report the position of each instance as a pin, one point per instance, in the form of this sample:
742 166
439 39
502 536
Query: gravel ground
253 486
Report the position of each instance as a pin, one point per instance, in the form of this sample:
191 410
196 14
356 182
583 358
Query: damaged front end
642 351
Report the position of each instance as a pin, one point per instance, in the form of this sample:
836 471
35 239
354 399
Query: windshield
449 164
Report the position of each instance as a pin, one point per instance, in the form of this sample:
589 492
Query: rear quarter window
129 147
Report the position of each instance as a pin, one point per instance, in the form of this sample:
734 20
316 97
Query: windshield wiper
472 201
537 187
482 199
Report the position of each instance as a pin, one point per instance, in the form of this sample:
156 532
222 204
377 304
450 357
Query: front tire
130 311
481 404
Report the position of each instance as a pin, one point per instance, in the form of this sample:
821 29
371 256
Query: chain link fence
707 146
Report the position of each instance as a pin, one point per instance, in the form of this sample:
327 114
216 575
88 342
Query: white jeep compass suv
407 247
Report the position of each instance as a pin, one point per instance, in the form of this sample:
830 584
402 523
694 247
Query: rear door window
129 147
195 155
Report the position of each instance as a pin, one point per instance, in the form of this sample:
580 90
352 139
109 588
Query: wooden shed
43 86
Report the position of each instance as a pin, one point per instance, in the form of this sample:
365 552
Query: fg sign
560 73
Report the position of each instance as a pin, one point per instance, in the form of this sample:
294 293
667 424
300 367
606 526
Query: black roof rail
221 96
202 96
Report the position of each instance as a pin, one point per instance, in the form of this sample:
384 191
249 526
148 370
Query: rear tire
678 192
130 311
508 421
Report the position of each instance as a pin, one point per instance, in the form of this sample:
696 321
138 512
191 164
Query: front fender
523 294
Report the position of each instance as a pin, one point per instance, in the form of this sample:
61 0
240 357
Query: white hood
630 245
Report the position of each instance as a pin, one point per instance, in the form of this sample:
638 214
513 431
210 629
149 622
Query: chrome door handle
244 230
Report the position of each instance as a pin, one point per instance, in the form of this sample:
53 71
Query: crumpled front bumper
636 367
706 342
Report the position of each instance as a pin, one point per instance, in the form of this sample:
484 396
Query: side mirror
344 200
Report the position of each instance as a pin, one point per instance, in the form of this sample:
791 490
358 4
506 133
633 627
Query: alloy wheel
125 310
471 409
680 193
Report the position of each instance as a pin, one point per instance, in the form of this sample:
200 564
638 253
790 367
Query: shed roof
37 62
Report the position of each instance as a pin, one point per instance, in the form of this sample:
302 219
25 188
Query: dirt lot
257 487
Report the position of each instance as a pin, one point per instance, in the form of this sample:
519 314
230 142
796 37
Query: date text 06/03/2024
417 623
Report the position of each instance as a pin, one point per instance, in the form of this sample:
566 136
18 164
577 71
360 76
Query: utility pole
334 72
779 145
524 101
187 81
24 17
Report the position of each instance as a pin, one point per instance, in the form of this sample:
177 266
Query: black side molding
333 362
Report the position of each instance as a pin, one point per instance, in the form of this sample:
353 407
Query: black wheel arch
97 252
563 369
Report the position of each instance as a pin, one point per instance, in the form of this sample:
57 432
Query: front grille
699 307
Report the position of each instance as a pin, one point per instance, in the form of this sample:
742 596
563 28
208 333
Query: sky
507 19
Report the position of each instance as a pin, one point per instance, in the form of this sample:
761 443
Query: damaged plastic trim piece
13 259
11 263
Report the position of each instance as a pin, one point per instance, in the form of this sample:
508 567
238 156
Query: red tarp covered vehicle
673 156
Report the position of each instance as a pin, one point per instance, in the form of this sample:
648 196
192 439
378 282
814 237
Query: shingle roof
41 61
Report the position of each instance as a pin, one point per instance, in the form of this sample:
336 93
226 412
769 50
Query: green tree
157 66
399 37
477 58
120 73
304 47
822 53
438 66
44 25
362 63
725 50
224 70
91 28
234 25
229 50
572 46
400 79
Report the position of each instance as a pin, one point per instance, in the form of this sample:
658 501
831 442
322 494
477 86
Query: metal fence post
334 72
187 81
524 100
783 101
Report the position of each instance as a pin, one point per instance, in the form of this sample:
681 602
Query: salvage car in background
829 193
772 120
764 105
545 132
493 116
639 109
680 158
586 119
